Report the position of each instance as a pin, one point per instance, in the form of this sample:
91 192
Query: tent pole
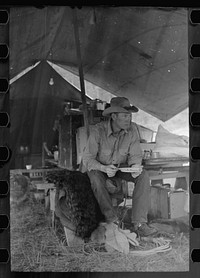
78 52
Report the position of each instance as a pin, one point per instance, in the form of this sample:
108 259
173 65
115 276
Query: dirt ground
35 246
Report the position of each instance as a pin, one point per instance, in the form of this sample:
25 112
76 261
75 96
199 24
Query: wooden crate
67 141
165 203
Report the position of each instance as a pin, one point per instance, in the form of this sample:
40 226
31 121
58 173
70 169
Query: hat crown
119 105
120 102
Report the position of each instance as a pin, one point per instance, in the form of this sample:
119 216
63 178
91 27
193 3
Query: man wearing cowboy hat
113 143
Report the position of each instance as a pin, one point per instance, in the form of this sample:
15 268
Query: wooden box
166 203
67 141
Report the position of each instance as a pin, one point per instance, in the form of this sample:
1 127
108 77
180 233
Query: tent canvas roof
140 53
179 124
35 84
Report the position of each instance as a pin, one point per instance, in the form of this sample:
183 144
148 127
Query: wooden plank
168 175
21 171
162 168
44 186
159 203
52 199
52 206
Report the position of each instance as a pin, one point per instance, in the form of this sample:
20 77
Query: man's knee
95 174
97 178
144 178
145 174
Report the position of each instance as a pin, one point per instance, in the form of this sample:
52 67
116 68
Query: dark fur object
80 204
19 189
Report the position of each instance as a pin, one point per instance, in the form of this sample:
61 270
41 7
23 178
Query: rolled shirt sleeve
135 151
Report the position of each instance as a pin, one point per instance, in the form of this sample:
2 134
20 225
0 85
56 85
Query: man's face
122 120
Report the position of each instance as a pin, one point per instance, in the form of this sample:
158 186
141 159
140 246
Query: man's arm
91 150
135 151
90 155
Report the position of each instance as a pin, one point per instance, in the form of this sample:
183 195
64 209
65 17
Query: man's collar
110 129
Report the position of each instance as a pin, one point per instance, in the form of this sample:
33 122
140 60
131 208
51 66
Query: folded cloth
170 145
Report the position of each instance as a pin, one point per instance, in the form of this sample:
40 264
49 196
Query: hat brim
117 109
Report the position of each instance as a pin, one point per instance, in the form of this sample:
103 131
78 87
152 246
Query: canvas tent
140 53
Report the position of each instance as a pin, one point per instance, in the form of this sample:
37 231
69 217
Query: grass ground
35 246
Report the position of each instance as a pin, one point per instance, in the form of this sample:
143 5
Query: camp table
165 168
167 202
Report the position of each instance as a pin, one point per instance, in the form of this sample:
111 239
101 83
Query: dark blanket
76 205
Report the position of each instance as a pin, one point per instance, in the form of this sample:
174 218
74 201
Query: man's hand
138 170
110 170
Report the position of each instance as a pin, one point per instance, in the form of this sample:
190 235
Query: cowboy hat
119 105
